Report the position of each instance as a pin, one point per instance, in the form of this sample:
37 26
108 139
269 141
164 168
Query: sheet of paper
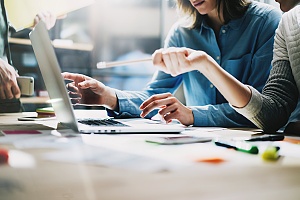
220 132
179 155
112 158
80 114
14 138
21 13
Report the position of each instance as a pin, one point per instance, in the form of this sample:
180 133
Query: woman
269 110
237 34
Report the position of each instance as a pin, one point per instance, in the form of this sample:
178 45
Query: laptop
61 103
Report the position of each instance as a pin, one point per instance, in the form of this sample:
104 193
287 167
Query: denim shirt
244 49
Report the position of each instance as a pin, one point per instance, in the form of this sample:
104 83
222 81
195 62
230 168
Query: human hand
177 61
170 108
9 88
86 90
47 17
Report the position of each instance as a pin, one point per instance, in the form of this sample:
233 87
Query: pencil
102 65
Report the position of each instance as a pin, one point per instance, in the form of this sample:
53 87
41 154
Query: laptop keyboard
101 122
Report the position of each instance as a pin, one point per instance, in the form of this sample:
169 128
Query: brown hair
231 9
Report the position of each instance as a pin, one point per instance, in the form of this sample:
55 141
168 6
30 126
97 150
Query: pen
102 65
237 145
266 138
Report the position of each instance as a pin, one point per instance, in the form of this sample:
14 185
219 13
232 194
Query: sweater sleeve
271 110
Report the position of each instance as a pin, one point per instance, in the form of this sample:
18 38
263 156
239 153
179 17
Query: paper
21 13
113 158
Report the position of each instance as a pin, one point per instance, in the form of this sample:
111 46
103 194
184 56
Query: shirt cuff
200 118
127 108
253 106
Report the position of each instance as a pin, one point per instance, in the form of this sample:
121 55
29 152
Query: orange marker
211 160
3 156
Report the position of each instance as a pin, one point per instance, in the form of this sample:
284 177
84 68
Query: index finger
154 98
16 91
74 77
157 59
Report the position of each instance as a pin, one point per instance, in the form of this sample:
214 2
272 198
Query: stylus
102 65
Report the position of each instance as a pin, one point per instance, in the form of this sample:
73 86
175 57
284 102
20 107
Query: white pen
102 65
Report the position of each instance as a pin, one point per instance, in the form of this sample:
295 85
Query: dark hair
231 9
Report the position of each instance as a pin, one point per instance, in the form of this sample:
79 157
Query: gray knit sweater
271 110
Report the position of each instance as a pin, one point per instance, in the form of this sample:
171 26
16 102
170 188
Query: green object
45 110
238 145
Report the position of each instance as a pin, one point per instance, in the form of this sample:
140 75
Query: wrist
111 100
190 117
201 61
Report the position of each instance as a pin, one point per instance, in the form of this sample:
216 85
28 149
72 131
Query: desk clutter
195 161
160 151
45 112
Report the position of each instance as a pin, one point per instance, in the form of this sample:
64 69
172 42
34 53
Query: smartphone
26 85
182 139
35 118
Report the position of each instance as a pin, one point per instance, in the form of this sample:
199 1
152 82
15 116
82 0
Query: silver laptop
61 102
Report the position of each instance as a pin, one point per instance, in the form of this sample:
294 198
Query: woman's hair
231 9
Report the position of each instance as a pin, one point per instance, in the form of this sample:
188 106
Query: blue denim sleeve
221 115
130 101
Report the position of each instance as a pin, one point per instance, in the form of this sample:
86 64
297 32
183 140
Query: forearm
111 100
236 93
129 103
272 109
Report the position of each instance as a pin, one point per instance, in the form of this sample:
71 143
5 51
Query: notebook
21 13
61 103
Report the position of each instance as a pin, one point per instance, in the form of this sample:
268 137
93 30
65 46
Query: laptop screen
51 73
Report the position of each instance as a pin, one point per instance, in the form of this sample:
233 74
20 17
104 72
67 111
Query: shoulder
178 27
178 30
263 10
290 25
179 35
293 15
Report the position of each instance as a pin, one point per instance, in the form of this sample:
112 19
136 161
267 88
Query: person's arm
236 93
260 62
129 101
233 90
189 60
8 83
271 109
9 88
86 90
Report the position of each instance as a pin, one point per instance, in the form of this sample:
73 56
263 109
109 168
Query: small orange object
211 160
3 156
292 140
